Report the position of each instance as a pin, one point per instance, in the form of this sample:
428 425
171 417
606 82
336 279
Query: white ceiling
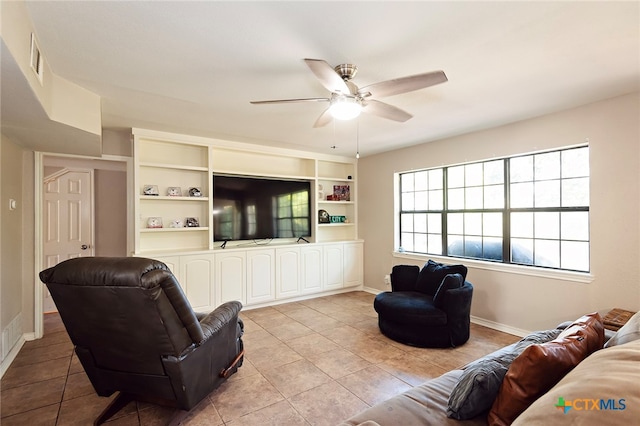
193 67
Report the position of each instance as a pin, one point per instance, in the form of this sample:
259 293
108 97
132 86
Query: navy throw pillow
433 273
450 281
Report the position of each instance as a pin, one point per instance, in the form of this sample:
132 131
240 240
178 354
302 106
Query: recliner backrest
127 312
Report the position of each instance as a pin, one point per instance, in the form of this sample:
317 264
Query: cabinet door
230 273
311 269
198 279
260 276
353 268
287 272
333 266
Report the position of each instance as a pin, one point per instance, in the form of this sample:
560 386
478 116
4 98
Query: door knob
84 247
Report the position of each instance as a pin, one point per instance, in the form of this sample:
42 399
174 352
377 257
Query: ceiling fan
347 100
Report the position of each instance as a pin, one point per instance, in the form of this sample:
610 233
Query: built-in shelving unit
255 273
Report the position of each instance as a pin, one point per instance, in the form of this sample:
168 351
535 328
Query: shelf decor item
150 190
195 192
154 222
341 193
323 216
191 222
338 219
174 191
176 223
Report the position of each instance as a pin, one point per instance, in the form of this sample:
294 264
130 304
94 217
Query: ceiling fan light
345 107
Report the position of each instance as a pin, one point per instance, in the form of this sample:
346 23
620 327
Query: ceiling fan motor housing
346 71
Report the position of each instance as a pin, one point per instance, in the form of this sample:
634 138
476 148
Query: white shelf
335 179
332 225
334 202
171 198
183 229
174 166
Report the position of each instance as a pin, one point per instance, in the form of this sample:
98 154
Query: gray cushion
481 380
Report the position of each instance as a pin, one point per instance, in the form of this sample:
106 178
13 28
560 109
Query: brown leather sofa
135 332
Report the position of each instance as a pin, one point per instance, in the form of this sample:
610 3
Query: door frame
39 159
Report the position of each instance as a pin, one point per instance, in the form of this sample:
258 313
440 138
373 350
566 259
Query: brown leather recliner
134 332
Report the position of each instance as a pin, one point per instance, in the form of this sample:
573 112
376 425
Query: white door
68 219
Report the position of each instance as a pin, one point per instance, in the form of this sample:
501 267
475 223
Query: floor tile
241 397
327 405
338 362
43 416
33 373
311 344
279 414
28 397
373 385
296 377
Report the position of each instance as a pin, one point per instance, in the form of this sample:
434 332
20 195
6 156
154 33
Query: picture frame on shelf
195 192
174 191
176 223
323 216
341 193
154 222
191 222
150 190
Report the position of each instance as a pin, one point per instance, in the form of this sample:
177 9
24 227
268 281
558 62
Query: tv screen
248 208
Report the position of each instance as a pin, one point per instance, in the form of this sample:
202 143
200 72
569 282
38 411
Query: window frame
506 212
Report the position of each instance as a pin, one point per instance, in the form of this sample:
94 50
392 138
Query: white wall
514 300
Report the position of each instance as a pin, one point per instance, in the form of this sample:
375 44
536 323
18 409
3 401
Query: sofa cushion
432 274
480 382
540 366
627 333
609 376
449 282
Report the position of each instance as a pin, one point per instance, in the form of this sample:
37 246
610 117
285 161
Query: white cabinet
197 280
288 272
353 261
333 267
311 275
260 276
230 276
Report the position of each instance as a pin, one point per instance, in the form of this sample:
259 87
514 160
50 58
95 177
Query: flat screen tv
251 208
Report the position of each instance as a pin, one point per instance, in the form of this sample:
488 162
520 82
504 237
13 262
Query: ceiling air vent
36 59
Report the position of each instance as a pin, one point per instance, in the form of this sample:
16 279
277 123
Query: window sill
581 277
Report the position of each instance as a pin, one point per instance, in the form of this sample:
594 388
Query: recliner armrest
219 317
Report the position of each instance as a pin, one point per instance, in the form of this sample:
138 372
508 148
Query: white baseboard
13 353
500 327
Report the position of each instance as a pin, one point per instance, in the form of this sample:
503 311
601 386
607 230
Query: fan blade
404 84
324 119
328 77
285 101
385 110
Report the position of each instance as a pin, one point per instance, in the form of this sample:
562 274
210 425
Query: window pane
455 223
575 226
575 255
420 223
434 243
521 195
436 199
492 225
522 251
435 178
547 193
456 245
575 192
421 200
473 247
406 241
434 223
493 172
494 197
547 166
473 223
420 182
473 174
420 243
521 169
575 162
407 201
473 197
455 177
406 182
456 199
522 225
406 222
492 248
547 225
547 253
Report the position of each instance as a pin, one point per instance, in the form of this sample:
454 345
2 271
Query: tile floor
314 362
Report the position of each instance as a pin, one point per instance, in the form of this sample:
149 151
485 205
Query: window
292 214
530 210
